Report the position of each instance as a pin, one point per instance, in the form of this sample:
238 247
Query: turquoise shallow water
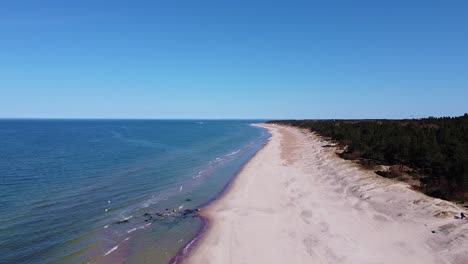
66 184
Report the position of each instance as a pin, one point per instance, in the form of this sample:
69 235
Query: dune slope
297 202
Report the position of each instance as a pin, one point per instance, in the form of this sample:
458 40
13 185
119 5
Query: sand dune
297 202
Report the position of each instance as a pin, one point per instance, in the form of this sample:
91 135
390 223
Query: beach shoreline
267 207
205 217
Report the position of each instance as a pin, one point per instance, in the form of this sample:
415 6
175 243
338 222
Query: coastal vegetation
432 152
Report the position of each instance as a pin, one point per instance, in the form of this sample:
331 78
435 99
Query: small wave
216 160
186 248
153 200
125 218
106 226
199 174
111 250
136 228
127 239
233 153
131 230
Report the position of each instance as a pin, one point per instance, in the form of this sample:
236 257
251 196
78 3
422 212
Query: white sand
297 202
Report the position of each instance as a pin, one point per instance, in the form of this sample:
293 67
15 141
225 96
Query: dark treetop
436 149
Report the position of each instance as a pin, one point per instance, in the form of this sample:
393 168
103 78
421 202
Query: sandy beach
297 202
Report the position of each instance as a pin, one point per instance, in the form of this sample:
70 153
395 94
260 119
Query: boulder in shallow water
187 212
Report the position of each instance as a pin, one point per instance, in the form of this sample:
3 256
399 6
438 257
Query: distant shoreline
284 207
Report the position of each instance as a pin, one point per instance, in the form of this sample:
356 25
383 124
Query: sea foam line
111 250
233 153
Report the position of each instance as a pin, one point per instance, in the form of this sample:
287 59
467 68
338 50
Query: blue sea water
67 185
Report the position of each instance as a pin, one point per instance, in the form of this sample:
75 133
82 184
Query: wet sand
297 202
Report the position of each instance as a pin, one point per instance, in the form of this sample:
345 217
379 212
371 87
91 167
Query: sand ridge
297 202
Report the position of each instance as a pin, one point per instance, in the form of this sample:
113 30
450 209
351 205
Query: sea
113 191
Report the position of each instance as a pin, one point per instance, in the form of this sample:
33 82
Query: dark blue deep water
65 185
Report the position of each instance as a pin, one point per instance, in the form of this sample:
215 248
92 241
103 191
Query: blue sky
233 59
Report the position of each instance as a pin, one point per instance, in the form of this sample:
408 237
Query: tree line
436 148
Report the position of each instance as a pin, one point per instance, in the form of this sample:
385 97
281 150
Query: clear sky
233 59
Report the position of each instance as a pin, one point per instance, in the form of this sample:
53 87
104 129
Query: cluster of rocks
165 215
171 213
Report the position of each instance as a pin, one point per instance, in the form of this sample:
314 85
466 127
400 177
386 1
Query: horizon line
216 119
125 118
